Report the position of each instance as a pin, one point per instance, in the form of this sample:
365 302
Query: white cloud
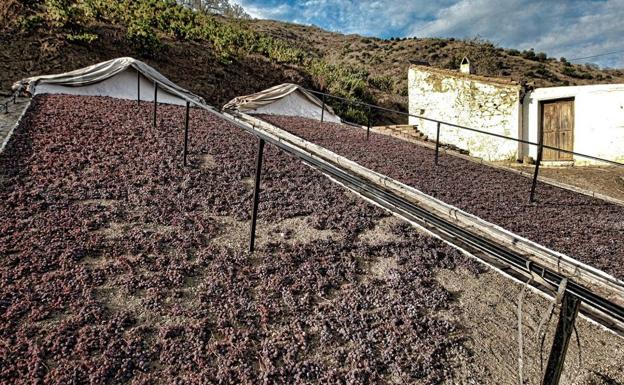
560 28
263 12
571 28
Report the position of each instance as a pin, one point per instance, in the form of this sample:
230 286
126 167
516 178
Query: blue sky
570 28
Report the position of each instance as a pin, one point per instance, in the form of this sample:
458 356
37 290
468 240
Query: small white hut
584 119
122 78
285 100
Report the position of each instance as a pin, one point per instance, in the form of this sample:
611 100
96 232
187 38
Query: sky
569 28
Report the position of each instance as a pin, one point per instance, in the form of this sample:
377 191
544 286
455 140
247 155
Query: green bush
30 22
569 71
144 39
66 13
81 38
529 54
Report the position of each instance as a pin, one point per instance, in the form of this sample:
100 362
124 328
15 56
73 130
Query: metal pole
540 150
256 197
155 101
323 110
437 148
567 316
186 129
138 88
369 124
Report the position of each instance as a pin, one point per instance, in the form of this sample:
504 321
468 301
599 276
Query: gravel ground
121 266
590 230
7 120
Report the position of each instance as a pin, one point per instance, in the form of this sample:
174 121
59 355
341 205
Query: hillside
385 57
221 58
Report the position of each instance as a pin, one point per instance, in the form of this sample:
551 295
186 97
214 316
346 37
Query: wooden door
558 128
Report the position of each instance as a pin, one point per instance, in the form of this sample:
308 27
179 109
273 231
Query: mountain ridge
221 58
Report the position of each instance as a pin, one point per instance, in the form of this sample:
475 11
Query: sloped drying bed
588 229
119 265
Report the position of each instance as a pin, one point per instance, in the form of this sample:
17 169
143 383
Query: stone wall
485 104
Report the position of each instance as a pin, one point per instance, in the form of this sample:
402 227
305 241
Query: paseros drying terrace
114 269
585 228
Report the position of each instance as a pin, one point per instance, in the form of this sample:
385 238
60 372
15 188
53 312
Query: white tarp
114 78
286 100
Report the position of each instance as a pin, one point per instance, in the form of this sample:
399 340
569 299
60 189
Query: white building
285 100
121 78
583 119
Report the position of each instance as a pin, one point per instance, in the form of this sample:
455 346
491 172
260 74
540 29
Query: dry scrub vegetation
221 58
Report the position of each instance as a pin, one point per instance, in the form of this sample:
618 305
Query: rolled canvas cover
102 72
285 99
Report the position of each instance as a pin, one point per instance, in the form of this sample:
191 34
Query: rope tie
520 336
551 310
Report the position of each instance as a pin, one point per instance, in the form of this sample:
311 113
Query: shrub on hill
148 23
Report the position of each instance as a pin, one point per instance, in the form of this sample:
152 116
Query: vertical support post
437 147
323 109
138 88
186 130
540 151
6 107
567 316
369 124
155 101
256 197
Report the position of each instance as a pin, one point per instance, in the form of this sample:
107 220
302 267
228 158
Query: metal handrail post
256 196
437 147
155 101
369 124
186 130
540 151
138 88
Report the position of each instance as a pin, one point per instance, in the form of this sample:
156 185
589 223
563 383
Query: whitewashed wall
121 86
598 119
468 101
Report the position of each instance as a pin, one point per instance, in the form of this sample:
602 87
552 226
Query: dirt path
601 179
8 120
488 306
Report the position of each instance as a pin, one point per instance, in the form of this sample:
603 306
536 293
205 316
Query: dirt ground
607 180
7 121
487 310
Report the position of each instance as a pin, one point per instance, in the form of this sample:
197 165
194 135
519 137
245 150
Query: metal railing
540 144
